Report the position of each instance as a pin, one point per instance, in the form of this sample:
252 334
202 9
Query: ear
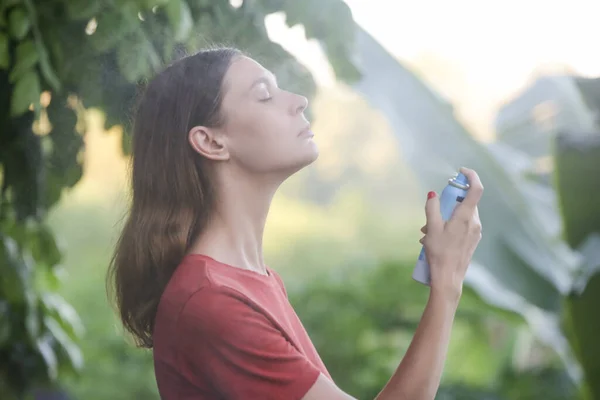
208 143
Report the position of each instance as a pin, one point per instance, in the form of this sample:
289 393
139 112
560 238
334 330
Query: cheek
264 146
254 146
264 128
264 139
270 122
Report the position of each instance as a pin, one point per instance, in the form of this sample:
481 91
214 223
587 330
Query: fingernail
430 195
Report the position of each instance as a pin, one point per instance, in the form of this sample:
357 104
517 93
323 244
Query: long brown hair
172 196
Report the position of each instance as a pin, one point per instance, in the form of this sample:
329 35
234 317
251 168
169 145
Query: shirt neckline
269 277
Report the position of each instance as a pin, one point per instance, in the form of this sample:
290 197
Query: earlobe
208 143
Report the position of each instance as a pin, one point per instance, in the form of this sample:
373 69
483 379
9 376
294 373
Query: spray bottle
453 193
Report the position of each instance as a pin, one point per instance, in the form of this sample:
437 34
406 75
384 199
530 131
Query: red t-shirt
223 332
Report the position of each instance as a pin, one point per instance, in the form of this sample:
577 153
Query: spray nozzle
461 178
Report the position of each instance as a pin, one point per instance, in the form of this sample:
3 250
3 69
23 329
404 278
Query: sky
496 47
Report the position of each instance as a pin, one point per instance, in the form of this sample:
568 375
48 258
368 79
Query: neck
234 234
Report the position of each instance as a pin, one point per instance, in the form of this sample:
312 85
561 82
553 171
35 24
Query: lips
306 132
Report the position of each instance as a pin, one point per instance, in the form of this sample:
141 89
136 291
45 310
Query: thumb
433 213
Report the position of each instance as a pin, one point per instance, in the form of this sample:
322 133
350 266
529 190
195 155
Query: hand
449 246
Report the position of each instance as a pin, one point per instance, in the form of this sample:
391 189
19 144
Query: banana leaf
521 264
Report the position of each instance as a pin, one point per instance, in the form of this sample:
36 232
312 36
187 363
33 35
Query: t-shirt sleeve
238 350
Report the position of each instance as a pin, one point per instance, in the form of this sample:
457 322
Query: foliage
361 316
37 327
110 356
540 383
58 57
578 184
376 312
522 263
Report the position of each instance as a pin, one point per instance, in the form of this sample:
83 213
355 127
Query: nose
299 104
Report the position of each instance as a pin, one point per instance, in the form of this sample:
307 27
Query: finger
433 214
475 191
476 218
466 213
424 229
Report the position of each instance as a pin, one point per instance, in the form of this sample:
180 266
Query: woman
214 138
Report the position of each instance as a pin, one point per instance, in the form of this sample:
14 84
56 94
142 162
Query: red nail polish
430 195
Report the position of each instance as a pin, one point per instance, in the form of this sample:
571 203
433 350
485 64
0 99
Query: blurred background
402 94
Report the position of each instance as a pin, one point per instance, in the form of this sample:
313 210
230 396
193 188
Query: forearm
419 373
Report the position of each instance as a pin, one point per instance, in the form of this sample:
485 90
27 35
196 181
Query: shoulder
214 304
210 298
219 315
196 273
221 338
190 275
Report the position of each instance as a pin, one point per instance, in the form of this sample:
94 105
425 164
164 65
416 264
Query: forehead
242 73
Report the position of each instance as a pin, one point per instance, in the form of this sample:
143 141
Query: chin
303 161
311 155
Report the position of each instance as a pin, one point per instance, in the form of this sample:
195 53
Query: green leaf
180 18
32 320
148 4
47 352
463 391
26 57
23 168
338 40
577 180
44 248
521 264
64 170
3 7
18 23
13 274
71 349
132 59
112 27
82 9
583 326
7 4
45 66
4 54
64 313
578 184
548 383
5 324
27 91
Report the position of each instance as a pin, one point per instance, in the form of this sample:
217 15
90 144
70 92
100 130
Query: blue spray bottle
453 193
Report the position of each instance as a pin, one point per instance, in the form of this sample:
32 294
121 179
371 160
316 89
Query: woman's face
265 131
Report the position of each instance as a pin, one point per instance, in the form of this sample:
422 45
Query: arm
449 247
419 373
